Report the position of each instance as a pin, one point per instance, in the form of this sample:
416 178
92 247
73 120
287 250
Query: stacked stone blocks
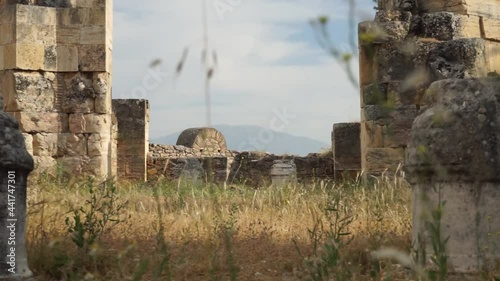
406 48
55 61
133 138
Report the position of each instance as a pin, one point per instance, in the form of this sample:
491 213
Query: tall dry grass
181 231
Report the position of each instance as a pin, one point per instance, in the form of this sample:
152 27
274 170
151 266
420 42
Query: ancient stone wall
406 48
254 168
55 63
346 148
133 138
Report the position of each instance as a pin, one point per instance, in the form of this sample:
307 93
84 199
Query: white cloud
265 62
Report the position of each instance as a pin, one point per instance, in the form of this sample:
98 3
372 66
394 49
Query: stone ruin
55 80
409 45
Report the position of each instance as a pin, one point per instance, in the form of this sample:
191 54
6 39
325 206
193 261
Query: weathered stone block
24 56
379 160
28 140
67 58
493 56
93 35
27 91
93 58
98 145
446 26
383 32
44 165
72 17
7 13
491 28
101 84
484 8
89 123
462 58
32 14
7 33
44 122
45 144
79 94
373 134
68 35
29 33
346 147
453 156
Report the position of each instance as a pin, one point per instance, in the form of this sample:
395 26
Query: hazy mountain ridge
247 138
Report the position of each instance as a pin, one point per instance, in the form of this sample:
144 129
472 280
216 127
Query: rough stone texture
283 172
346 147
133 138
407 47
254 169
55 63
453 156
197 170
15 165
208 141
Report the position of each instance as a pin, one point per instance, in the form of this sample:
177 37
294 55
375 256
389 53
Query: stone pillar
346 149
406 48
55 64
453 157
133 138
15 165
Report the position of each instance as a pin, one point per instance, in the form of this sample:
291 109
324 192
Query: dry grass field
182 231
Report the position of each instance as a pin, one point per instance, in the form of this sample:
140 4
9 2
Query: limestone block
399 61
7 33
98 145
7 13
72 17
393 15
68 35
491 28
484 8
446 26
28 140
99 167
45 144
383 32
24 56
79 94
101 84
38 15
461 58
346 146
27 91
35 33
90 123
378 160
93 58
45 165
493 56
44 122
96 16
75 165
373 134
67 58
72 145
93 35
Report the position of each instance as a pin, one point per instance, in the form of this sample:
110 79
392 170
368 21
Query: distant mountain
247 138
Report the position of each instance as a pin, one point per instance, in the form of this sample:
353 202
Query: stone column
346 149
15 165
453 157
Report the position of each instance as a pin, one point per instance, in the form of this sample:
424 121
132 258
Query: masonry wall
407 47
133 138
346 148
55 62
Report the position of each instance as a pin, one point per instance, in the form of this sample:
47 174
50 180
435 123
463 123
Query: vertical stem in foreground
205 62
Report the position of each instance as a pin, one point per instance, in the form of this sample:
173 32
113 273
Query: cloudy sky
269 61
